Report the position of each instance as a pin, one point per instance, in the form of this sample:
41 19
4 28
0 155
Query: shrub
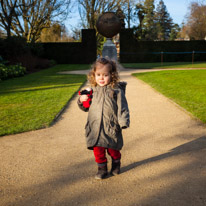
11 71
2 61
33 63
3 72
52 62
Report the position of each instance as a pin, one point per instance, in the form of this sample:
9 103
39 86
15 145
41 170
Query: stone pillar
109 49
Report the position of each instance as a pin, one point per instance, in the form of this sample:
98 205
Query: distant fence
194 55
84 52
134 51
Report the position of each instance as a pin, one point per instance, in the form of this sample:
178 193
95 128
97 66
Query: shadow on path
193 146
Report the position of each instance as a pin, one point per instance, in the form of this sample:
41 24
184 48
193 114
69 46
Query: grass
186 87
33 101
165 65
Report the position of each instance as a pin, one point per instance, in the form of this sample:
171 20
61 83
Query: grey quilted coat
108 114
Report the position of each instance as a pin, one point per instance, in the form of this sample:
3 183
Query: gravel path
163 159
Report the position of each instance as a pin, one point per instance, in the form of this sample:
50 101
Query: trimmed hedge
134 51
11 71
84 52
37 55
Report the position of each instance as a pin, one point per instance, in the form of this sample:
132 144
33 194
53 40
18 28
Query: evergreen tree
175 32
154 24
164 22
140 13
55 33
149 27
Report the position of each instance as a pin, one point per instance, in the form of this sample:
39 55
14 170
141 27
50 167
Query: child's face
102 75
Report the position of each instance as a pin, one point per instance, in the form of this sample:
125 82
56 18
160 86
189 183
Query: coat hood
122 86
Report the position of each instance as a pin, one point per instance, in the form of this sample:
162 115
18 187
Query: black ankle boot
115 167
102 172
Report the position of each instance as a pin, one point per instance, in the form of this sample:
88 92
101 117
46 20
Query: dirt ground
163 159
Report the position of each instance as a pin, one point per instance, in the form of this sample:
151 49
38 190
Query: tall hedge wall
84 52
133 51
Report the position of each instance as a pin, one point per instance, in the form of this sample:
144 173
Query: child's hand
83 98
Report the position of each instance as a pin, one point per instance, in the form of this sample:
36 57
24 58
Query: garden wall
134 51
84 52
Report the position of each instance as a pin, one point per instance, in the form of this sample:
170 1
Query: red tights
100 154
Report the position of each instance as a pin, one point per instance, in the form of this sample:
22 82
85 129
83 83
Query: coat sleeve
123 110
81 106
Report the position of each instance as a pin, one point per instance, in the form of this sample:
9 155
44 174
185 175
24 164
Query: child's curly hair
113 71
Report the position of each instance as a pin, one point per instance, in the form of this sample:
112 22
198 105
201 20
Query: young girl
108 115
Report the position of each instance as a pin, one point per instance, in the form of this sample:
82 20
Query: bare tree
128 7
2 34
184 32
29 17
7 14
89 10
196 21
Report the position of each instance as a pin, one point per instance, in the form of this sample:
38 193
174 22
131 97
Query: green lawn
165 65
186 87
33 101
